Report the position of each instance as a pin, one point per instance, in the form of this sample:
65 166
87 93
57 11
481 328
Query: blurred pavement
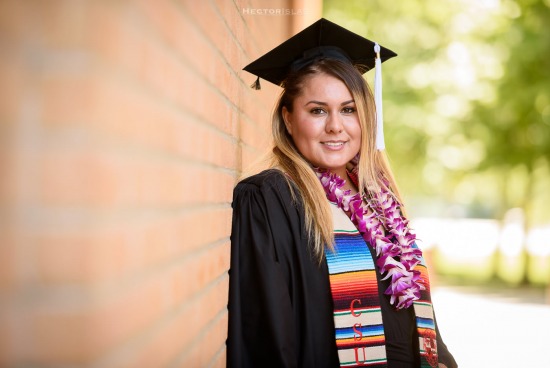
488 327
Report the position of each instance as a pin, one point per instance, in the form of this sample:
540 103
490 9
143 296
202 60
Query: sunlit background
467 115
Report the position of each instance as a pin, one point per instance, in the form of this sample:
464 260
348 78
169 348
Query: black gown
280 304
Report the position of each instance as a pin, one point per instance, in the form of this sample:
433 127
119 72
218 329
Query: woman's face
324 124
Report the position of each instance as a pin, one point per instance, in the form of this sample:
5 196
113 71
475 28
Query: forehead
324 86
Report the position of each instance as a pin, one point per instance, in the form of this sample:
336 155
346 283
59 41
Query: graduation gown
280 304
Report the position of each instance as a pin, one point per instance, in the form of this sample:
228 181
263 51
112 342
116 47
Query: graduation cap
324 40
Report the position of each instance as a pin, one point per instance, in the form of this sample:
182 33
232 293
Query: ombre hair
372 166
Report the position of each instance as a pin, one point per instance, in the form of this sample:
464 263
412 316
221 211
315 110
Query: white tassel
380 145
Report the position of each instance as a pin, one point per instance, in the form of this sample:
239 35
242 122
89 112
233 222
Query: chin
332 167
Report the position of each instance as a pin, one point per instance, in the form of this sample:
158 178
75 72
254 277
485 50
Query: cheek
306 127
353 127
355 133
307 131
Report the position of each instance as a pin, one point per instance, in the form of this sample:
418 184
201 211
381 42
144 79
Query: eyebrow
325 104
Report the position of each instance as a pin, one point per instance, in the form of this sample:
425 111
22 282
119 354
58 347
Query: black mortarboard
322 39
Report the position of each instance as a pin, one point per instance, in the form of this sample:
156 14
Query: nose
334 123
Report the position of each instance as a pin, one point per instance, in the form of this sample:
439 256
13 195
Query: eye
317 111
348 110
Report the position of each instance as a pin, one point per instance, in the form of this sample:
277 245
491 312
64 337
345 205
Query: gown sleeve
261 332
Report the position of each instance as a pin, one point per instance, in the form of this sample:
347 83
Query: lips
334 143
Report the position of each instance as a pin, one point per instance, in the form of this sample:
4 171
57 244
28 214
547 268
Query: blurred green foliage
466 102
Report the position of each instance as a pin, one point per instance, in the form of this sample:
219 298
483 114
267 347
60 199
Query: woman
324 270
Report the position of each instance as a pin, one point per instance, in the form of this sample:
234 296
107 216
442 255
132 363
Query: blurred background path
494 326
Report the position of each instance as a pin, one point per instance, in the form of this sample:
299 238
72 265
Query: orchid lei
387 230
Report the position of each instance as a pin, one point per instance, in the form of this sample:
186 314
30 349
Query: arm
261 332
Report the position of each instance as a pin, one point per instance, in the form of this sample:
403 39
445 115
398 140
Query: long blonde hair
372 165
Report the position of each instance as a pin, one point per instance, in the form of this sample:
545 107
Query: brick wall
123 128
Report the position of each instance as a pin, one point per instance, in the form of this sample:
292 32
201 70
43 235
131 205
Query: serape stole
358 321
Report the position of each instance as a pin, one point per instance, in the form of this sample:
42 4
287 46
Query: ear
286 118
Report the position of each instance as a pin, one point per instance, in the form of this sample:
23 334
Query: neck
343 174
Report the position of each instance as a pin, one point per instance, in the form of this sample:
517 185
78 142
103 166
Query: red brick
231 14
198 317
78 334
58 25
117 42
268 30
251 158
202 15
219 361
131 113
144 120
216 186
204 144
13 334
255 135
67 99
175 237
12 94
259 105
212 340
181 36
79 258
196 273
179 331
9 190
214 109
8 261
100 257
60 337
200 99
218 52
214 225
76 178
135 118
7 354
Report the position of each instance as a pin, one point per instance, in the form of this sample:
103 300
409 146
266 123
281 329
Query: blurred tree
467 103
518 119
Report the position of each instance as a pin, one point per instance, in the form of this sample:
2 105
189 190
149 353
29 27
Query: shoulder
267 181
265 178
270 188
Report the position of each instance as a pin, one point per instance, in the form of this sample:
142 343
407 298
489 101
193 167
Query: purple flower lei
387 230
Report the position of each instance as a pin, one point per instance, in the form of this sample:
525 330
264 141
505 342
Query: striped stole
357 316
